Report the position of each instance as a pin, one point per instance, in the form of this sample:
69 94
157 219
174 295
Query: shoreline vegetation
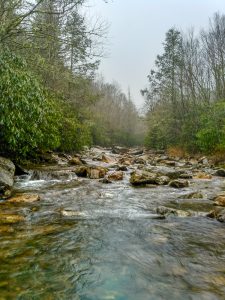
52 100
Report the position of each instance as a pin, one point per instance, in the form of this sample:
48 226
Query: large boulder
92 172
142 178
7 171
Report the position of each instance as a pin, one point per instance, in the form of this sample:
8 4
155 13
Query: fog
137 30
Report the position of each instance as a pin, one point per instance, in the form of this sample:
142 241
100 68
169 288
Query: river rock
10 218
25 198
162 180
122 168
81 171
165 211
139 160
75 161
127 161
218 213
96 172
193 195
220 172
169 163
179 183
203 160
71 213
186 175
6 229
172 173
107 159
119 150
142 178
136 152
202 175
115 176
219 200
105 180
7 171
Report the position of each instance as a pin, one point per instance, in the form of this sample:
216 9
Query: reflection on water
85 240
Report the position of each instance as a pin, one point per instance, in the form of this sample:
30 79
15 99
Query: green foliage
28 115
211 135
74 135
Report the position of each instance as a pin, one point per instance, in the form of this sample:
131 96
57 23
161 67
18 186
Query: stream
86 240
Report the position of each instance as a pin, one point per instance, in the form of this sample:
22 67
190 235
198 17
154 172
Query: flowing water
87 240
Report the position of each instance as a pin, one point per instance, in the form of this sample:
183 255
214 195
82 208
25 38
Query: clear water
86 240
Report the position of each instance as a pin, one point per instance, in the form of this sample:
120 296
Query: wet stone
220 172
193 195
10 218
166 211
219 200
24 198
202 175
115 176
179 183
142 178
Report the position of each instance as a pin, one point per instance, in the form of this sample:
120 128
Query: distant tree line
49 97
185 97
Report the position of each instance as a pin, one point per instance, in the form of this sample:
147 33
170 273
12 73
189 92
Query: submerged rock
166 211
7 171
10 218
193 195
71 213
105 180
179 183
25 198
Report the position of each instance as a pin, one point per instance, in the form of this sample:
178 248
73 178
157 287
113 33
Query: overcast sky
137 30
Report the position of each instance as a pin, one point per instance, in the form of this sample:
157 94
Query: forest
51 97
185 97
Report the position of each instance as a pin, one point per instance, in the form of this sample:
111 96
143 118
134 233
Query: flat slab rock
24 198
10 218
